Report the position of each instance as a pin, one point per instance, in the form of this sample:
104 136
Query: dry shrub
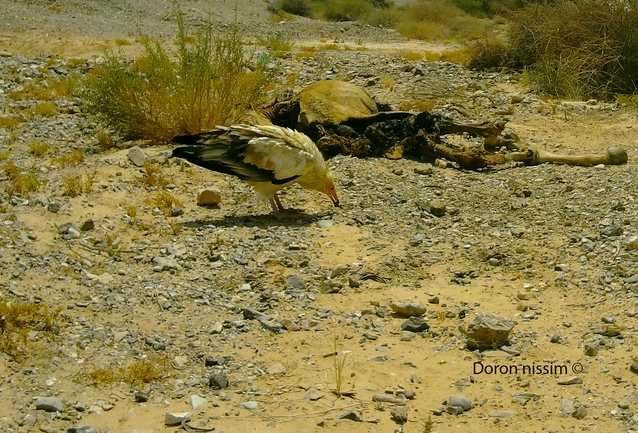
295 7
73 158
105 140
19 182
77 184
44 109
10 122
586 48
38 148
410 55
59 87
487 52
17 320
139 371
165 201
153 175
165 94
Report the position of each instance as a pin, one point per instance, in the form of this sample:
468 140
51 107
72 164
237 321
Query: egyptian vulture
267 157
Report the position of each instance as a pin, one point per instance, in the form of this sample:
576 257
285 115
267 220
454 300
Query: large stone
49 404
137 156
460 400
488 331
415 324
209 197
408 307
176 418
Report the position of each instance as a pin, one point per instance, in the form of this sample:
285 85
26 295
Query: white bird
267 157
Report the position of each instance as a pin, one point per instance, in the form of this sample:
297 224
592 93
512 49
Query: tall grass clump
162 94
581 48
18 321
302 8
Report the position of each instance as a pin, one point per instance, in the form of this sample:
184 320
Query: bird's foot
285 214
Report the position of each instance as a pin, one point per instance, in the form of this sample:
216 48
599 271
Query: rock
390 399
295 282
380 358
351 415
324 224
290 325
608 319
575 380
165 264
634 368
399 414
424 169
566 406
437 208
407 336
632 243
591 349
209 197
434 300
54 207
83 429
176 418
338 270
523 397
460 400
611 230
176 211
250 405
137 156
49 404
415 324
408 307
28 421
313 394
105 278
488 331
141 396
580 412
454 410
276 369
218 380
88 224
501 414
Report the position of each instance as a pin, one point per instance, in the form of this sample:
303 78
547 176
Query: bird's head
330 189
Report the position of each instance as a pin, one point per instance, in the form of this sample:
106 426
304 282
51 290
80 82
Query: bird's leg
278 210
278 202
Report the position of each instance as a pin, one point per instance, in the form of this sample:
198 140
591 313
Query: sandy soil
82 29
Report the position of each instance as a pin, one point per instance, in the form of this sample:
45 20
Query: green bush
587 46
302 8
162 94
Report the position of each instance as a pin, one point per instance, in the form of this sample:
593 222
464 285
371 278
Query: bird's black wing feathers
223 151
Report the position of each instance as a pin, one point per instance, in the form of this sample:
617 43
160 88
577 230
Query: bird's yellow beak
331 191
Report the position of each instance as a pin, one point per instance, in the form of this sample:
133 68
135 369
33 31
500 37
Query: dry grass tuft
20 183
154 176
105 140
18 320
10 123
165 201
139 371
78 184
164 93
44 109
70 159
39 148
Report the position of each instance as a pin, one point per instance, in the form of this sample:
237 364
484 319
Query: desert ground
254 322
